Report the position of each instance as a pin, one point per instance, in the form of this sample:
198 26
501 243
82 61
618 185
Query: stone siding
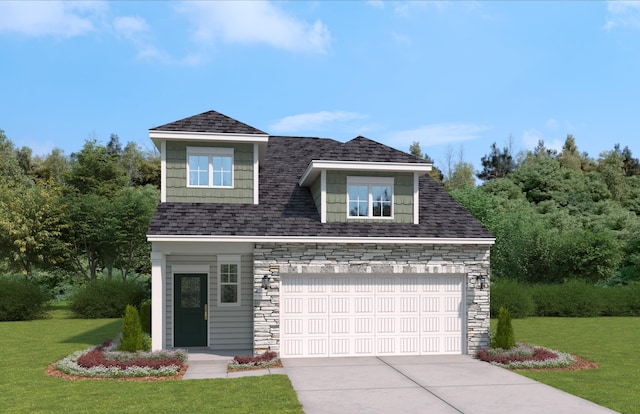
275 260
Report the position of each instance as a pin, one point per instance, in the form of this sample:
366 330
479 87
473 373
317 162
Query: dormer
210 157
369 182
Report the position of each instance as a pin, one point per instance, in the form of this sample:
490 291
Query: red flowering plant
526 356
268 359
104 361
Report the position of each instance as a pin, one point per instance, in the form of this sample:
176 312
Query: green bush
621 301
146 342
21 299
504 338
574 298
512 295
145 316
105 298
131 340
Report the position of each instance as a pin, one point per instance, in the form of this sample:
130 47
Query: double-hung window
228 280
210 167
369 197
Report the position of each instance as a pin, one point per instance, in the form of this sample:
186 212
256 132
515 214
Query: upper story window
369 197
209 167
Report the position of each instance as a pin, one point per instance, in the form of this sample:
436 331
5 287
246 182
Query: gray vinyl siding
177 190
230 327
337 196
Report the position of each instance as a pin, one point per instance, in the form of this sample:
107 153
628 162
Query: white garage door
362 315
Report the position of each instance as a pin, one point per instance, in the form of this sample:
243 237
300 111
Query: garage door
364 315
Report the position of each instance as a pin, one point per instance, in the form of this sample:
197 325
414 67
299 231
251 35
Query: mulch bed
53 372
579 365
277 364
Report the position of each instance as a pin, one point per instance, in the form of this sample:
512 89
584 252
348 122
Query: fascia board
315 166
308 239
208 136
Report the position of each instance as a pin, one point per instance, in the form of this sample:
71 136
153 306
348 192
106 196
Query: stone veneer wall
275 260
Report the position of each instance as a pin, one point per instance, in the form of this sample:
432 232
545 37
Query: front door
191 310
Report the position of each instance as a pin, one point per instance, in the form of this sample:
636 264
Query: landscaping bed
105 362
525 356
263 361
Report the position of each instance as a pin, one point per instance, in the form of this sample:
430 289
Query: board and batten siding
337 196
177 190
230 327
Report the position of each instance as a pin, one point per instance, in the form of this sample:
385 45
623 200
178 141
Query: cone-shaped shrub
131 331
504 334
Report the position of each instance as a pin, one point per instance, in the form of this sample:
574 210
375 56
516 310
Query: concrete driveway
423 384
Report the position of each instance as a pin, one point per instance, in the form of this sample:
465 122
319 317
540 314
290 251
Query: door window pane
190 292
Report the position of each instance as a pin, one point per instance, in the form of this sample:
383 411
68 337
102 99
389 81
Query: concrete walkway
420 384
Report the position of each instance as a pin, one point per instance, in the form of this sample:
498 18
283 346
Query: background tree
94 170
435 172
31 226
497 164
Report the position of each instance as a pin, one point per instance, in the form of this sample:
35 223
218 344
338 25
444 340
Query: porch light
265 282
480 281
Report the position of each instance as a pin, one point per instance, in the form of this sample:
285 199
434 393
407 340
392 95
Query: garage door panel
357 315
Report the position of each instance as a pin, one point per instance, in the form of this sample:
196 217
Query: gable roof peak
210 122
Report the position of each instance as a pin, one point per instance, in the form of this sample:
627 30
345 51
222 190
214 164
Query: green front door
191 310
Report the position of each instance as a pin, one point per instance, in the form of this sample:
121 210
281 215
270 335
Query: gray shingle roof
286 209
212 122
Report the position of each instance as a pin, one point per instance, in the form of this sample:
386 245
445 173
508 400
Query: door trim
180 269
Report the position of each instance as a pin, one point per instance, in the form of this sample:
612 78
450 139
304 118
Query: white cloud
438 134
315 121
51 18
622 14
130 27
254 22
378 4
552 123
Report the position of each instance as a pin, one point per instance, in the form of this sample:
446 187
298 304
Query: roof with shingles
210 122
288 210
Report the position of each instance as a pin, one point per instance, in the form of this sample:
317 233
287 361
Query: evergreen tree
497 164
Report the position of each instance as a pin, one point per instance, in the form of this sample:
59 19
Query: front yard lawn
610 342
27 348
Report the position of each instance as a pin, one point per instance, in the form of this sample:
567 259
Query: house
310 247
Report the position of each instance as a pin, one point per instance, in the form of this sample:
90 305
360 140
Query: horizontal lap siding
231 327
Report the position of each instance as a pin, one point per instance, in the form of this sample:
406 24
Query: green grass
611 342
27 348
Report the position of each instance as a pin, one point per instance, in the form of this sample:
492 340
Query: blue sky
455 76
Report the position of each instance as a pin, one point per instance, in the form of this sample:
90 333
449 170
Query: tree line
556 215
82 215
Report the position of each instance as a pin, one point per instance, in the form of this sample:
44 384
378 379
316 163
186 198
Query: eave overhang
316 166
322 239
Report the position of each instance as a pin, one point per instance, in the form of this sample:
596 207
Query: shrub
105 298
504 338
574 298
621 301
145 316
131 331
21 299
512 295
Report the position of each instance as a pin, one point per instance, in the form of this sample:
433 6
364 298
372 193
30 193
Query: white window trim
226 260
211 152
371 181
